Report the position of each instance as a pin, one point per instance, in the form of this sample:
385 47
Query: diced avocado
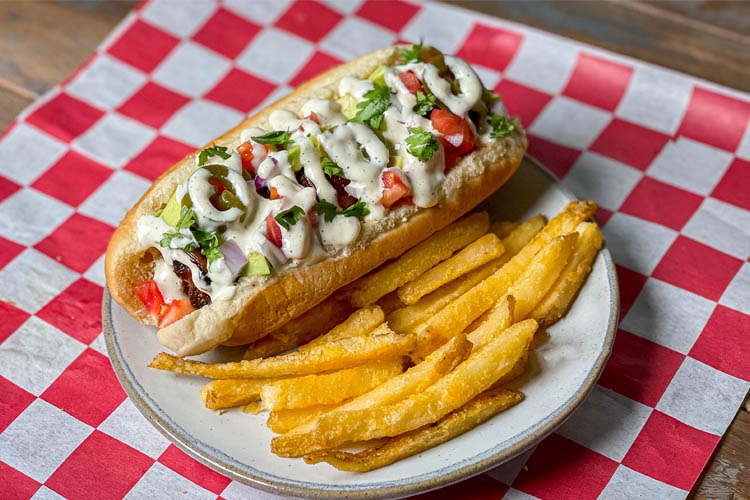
348 106
171 213
397 161
378 76
257 265
294 157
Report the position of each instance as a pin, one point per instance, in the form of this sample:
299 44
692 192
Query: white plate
236 444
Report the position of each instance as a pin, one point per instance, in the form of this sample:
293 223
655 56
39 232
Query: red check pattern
675 212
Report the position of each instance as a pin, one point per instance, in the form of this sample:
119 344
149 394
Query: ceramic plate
236 444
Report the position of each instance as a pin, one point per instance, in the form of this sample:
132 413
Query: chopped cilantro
501 126
372 108
213 150
187 218
329 167
327 209
359 210
422 144
207 241
289 217
425 103
490 95
178 240
277 138
412 54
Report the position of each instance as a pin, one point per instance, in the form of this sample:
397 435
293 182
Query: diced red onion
275 161
260 182
234 257
273 253
455 139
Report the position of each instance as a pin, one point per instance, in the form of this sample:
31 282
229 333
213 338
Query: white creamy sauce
362 154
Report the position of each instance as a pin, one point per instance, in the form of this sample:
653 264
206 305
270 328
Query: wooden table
42 42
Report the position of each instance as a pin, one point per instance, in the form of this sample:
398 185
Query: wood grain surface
43 42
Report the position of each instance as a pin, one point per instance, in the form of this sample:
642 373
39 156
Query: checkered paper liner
667 157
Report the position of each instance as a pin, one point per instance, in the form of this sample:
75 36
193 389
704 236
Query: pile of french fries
418 351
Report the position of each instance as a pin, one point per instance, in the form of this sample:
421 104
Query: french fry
414 380
478 410
283 421
461 312
228 393
482 369
359 323
478 252
301 329
499 317
558 300
407 318
328 388
345 353
503 228
390 302
542 272
518 369
438 247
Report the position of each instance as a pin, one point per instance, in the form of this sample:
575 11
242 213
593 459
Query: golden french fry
558 300
360 322
301 329
536 280
503 228
478 252
461 312
390 302
518 369
283 421
499 318
228 393
482 369
253 407
414 380
407 318
478 410
438 247
345 353
328 388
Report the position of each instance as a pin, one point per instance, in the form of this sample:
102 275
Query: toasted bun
261 305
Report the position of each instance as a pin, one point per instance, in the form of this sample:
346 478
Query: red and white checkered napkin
665 155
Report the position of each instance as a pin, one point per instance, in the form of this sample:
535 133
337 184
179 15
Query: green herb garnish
187 218
371 110
213 150
489 95
276 138
422 144
289 217
501 126
412 54
328 210
329 167
425 103
359 210
207 241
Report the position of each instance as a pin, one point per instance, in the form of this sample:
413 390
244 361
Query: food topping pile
417 352
303 189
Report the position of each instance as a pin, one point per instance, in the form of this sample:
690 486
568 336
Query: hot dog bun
262 304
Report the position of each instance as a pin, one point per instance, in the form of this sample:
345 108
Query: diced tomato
314 117
274 194
245 150
393 189
448 123
411 82
273 231
177 309
149 293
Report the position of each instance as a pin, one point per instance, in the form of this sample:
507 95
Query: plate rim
452 473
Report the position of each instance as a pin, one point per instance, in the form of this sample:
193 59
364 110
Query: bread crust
258 308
